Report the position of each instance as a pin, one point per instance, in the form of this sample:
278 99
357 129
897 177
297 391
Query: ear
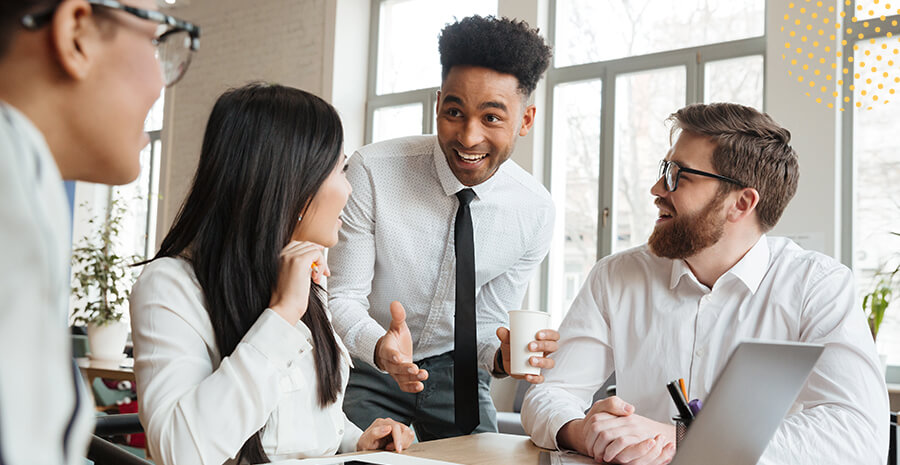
527 120
744 204
75 38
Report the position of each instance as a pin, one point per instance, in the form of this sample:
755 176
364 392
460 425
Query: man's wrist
566 437
375 354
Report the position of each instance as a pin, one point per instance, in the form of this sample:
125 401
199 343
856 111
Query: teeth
471 156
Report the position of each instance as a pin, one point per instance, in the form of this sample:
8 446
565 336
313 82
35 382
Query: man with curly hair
451 228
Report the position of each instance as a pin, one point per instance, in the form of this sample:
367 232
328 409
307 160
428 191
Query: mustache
661 203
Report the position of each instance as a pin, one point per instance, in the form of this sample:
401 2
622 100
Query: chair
511 422
103 452
892 449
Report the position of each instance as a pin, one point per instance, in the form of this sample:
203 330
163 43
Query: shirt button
340 431
700 352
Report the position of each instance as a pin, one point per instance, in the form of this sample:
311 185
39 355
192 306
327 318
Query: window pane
576 179
154 121
408 40
643 102
598 30
877 201
738 80
873 8
399 121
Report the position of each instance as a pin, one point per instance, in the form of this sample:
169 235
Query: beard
686 235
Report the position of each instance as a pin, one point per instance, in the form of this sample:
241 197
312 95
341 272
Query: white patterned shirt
650 319
397 244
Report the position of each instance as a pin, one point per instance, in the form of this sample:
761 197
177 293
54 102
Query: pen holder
680 430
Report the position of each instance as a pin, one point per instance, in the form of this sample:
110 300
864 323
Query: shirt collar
750 269
451 184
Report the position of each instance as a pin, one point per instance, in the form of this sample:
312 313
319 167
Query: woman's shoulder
165 280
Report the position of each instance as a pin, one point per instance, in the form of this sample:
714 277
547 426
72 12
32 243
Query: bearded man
708 278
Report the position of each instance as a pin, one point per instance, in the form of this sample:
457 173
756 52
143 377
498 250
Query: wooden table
480 449
91 369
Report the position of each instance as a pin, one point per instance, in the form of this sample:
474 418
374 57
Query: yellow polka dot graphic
875 75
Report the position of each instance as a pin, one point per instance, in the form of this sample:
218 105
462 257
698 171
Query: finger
389 447
626 450
412 387
397 435
541 362
503 335
398 316
613 405
402 369
547 347
534 379
547 335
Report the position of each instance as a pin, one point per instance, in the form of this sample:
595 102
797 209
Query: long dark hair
266 151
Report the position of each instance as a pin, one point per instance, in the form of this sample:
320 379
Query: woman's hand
385 434
291 296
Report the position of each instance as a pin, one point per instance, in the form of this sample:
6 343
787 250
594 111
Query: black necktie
465 368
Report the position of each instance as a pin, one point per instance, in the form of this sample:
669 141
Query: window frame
848 161
694 60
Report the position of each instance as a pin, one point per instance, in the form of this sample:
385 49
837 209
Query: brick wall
279 41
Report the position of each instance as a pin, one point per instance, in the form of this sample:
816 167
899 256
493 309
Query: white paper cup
523 328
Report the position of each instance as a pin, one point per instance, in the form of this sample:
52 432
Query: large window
406 63
621 68
873 168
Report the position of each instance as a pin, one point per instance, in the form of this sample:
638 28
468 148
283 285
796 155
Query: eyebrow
481 106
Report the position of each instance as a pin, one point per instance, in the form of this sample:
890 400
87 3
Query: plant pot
107 342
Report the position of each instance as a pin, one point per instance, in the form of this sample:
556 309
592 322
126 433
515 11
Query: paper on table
569 458
380 458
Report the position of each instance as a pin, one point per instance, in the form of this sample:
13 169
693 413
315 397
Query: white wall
813 216
280 41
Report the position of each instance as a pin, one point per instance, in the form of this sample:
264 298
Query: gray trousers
371 394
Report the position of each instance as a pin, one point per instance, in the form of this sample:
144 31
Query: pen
683 389
680 402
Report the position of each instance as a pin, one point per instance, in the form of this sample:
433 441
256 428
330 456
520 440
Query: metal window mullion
548 150
693 78
375 16
606 190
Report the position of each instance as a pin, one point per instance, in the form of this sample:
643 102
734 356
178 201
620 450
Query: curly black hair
501 44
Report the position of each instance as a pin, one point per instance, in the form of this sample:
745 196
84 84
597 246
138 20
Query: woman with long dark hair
235 357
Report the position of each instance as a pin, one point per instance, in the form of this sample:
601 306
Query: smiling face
692 218
479 115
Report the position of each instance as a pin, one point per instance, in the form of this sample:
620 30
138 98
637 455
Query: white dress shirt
652 321
47 414
397 244
200 408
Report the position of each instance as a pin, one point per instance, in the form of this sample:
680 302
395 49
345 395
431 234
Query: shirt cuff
558 420
486 353
276 339
364 341
351 437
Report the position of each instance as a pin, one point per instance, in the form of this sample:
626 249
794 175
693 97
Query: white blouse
200 408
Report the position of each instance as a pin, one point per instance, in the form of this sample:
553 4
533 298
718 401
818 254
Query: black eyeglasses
670 172
176 40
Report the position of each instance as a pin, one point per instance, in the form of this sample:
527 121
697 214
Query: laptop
747 403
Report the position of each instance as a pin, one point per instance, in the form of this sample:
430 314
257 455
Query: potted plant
878 299
102 280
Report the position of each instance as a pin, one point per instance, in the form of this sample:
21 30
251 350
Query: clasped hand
612 433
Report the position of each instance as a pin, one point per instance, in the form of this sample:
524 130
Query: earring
299 218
